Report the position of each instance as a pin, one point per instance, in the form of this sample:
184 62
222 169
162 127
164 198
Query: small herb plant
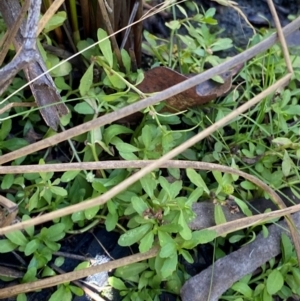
158 208
279 278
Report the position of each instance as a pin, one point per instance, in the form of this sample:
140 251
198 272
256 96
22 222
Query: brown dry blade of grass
137 164
182 164
49 14
9 213
15 105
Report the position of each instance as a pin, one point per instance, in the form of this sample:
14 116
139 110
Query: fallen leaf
161 78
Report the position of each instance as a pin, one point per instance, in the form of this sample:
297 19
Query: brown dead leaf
8 211
161 78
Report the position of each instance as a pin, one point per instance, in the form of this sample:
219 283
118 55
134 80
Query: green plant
157 209
188 52
275 278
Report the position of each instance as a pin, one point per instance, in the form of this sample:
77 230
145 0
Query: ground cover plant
152 215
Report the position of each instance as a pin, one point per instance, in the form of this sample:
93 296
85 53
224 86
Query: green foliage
281 279
191 51
158 208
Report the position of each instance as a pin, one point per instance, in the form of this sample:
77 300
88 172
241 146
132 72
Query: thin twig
15 105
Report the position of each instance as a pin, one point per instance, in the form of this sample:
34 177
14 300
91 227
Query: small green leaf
292 110
56 21
165 185
147 136
47 272
248 185
69 175
164 238
139 205
63 69
282 141
91 212
129 156
126 60
221 44
296 275
113 131
169 266
30 275
287 248
242 288
243 206
21 297
186 232
173 228
55 232
173 25
131 270
99 187
53 246
17 237
115 79
59 261
31 247
168 250
134 235
274 282
149 184
194 196
111 221
126 147
91 51
187 256
6 246
219 214
84 109
13 144
76 290
105 46
86 81
5 128
174 172
78 216
82 265
266 296
59 294
204 236
146 242
58 190
218 176
117 283
29 230
286 164
7 181
196 179
95 136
